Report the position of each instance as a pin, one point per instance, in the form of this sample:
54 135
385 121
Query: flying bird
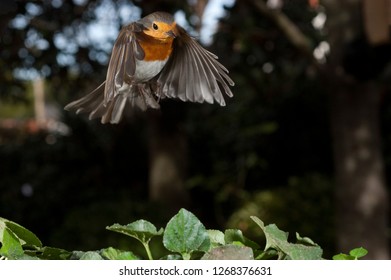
154 58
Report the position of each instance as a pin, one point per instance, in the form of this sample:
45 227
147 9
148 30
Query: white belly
146 70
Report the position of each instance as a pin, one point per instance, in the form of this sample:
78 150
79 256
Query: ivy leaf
185 234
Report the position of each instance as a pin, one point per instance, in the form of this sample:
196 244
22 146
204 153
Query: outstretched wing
122 65
106 101
193 74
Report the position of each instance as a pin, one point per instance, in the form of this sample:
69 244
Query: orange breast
155 49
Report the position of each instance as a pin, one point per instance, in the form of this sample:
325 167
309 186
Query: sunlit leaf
10 244
25 236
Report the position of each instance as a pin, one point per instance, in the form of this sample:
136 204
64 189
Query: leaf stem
146 246
186 256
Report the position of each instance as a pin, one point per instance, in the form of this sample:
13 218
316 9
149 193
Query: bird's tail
111 111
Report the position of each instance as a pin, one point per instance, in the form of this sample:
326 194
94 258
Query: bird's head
160 25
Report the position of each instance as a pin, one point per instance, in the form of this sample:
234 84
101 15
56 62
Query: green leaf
22 257
115 254
278 240
185 234
76 255
302 252
172 257
91 255
235 236
141 230
26 237
258 221
229 252
342 256
82 255
266 255
11 246
49 253
358 252
305 240
216 237
353 254
275 238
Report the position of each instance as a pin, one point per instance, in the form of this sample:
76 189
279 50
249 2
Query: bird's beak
173 32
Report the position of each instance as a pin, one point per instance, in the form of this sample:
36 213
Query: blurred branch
289 28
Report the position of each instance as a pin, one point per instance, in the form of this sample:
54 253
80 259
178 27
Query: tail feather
111 111
89 102
118 108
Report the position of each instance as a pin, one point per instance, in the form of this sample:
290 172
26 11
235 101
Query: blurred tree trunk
39 100
167 159
361 194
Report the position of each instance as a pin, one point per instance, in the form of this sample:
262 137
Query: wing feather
211 84
122 65
193 73
88 102
108 100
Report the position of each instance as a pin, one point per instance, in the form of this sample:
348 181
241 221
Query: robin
154 58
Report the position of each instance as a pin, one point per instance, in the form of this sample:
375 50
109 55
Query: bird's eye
155 27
